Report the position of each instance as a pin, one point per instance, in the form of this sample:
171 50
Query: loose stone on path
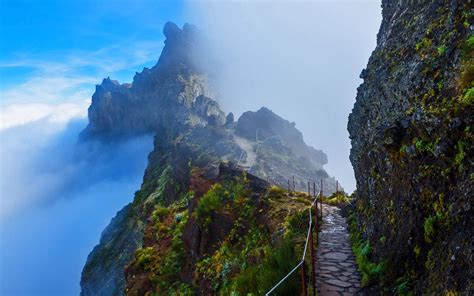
336 270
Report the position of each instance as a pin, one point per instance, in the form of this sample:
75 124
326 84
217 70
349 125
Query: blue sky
37 27
55 51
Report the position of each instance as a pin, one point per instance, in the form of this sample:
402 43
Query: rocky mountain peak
163 96
268 126
181 47
171 30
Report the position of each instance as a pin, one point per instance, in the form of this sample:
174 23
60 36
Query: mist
57 195
300 59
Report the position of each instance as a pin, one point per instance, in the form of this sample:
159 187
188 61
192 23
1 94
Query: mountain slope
174 101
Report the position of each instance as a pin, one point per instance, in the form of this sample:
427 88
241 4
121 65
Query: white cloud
20 114
123 56
41 116
53 88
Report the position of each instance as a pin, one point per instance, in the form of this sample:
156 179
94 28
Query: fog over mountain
302 59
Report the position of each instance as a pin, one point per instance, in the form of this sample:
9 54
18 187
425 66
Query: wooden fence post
313 262
321 188
316 222
321 198
303 279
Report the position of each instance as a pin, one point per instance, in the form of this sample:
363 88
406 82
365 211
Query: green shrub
470 43
160 212
173 261
430 262
182 290
166 269
404 149
211 201
337 198
144 257
423 44
257 280
422 145
297 223
442 49
460 154
430 227
468 97
303 200
466 82
228 190
402 287
276 192
370 271
417 251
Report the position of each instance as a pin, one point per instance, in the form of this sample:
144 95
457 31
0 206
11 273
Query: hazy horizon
298 59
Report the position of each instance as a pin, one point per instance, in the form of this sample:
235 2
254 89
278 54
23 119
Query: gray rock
229 120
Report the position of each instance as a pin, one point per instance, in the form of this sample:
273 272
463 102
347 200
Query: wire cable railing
309 235
308 242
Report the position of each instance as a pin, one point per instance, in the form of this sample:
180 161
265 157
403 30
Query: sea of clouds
57 195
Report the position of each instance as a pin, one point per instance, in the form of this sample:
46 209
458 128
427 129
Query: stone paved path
336 270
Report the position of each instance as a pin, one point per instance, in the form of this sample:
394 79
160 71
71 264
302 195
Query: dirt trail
249 148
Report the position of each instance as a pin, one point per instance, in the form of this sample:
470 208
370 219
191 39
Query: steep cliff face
165 182
412 132
174 101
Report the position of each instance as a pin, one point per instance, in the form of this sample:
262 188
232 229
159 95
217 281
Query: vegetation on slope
237 237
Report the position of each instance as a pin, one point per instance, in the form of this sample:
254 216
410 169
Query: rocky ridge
174 101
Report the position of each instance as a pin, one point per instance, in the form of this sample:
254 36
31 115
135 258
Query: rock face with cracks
412 132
